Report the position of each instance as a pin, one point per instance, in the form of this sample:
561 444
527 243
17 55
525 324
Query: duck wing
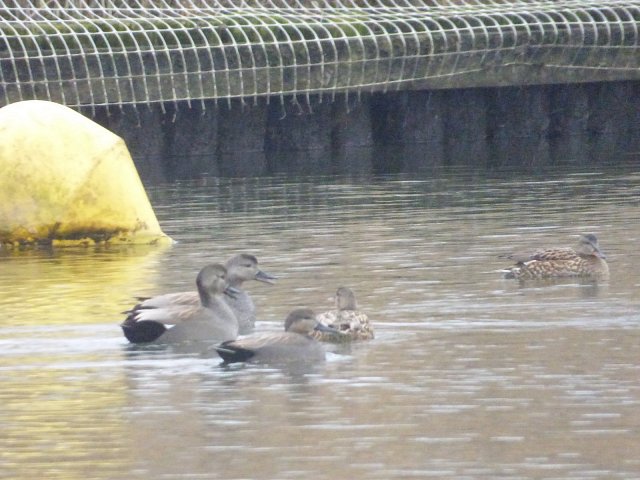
542 254
169 315
554 254
168 299
262 340
281 346
329 317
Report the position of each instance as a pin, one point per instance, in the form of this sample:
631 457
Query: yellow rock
66 180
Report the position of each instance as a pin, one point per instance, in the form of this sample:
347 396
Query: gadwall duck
585 260
292 345
346 318
211 320
240 268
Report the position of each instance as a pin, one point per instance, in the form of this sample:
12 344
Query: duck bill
231 292
265 277
598 253
320 327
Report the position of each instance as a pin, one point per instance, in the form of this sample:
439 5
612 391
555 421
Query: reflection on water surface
470 375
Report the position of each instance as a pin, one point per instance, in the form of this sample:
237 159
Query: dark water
470 376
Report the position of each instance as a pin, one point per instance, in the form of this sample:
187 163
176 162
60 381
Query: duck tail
231 353
509 273
144 331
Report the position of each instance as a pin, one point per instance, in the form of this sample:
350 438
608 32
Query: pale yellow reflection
63 394
71 286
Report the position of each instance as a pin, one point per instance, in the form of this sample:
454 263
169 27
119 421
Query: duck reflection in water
586 260
293 345
212 320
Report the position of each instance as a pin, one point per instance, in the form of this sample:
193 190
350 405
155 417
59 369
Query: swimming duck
240 268
585 260
292 345
211 320
346 318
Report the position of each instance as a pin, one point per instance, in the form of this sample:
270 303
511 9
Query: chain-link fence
112 52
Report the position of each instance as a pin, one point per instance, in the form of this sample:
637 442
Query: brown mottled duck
585 260
346 318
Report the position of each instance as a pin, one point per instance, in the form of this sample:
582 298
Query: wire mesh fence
112 52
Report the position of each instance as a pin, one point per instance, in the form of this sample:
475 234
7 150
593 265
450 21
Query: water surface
470 375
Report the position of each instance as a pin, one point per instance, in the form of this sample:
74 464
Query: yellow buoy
65 180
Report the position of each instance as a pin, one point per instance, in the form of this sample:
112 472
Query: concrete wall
531 126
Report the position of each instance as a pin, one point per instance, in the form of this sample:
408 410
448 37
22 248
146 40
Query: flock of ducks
221 313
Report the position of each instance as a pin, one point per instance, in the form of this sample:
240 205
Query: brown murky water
470 376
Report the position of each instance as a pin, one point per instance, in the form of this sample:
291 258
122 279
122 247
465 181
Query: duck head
346 299
303 321
588 245
211 281
244 267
